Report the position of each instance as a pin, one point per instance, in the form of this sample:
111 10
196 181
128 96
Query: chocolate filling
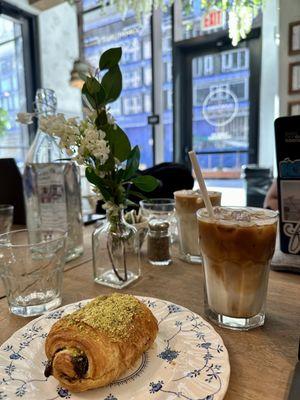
48 369
81 365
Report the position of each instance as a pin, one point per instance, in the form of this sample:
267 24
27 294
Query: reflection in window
147 102
219 92
221 108
197 67
147 53
132 78
240 89
147 75
132 104
14 143
132 51
235 60
167 71
167 40
103 30
208 65
116 107
167 85
168 99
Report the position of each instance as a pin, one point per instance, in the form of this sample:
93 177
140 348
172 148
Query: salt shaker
158 242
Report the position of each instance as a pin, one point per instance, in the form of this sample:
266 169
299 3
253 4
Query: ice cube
240 215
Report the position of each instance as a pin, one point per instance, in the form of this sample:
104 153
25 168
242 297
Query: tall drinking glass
237 246
187 202
32 270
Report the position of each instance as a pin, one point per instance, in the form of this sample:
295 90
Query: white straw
201 182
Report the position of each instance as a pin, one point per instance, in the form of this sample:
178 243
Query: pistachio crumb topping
111 314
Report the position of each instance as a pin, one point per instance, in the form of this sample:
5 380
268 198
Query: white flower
102 134
25 118
72 120
110 119
97 191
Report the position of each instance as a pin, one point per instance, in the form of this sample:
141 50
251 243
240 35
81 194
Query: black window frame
183 53
31 56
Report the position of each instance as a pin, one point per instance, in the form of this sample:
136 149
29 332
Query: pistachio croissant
93 346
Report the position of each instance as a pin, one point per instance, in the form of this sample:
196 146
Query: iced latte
237 246
187 202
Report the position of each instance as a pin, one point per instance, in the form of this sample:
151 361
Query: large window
13 142
167 84
221 111
212 85
19 77
103 30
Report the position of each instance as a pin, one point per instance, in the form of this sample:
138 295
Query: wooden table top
262 360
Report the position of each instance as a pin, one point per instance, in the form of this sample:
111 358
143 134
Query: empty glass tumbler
163 209
32 270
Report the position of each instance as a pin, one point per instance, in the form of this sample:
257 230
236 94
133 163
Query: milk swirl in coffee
237 246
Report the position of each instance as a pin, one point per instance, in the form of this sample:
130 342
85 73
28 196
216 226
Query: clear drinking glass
32 270
187 202
6 217
163 209
237 246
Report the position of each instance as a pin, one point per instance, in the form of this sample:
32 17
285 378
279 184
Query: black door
217 103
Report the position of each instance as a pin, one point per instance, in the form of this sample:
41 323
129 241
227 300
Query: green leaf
146 183
101 119
137 194
89 98
133 162
92 177
108 165
110 58
112 84
118 142
95 89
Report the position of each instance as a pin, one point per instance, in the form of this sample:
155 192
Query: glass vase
116 251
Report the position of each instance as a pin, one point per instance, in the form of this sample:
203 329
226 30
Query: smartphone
287 137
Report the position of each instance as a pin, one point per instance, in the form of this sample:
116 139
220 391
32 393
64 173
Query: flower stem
113 264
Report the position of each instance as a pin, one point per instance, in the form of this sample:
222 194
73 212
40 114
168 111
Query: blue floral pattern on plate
187 361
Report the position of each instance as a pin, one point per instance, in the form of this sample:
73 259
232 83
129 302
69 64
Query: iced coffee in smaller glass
237 246
187 202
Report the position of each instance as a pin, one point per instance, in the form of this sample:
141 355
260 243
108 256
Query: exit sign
212 20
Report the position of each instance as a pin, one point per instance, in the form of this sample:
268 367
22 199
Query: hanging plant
4 121
241 13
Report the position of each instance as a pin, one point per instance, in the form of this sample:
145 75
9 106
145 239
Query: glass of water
6 217
31 268
163 209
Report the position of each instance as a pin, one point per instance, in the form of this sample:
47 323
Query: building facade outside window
105 29
147 75
133 104
132 78
14 91
220 85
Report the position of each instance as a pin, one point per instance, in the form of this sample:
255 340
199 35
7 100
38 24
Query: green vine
4 122
240 12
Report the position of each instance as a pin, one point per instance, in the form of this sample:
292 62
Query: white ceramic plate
187 361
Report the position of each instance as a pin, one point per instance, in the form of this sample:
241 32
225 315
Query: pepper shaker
158 242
